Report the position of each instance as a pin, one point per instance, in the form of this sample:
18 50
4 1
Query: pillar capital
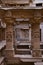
35 20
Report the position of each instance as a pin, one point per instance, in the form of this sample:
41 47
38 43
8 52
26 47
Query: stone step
26 51
23 56
24 43
28 58
29 43
23 50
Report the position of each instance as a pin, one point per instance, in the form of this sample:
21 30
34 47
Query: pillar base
36 53
9 53
13 60
10 59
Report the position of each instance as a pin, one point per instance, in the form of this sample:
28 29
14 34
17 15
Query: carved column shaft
9 40
35 39
9 36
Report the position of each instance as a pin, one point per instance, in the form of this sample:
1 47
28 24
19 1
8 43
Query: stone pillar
9 42
35 39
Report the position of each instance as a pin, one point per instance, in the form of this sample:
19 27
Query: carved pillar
35 39
9 42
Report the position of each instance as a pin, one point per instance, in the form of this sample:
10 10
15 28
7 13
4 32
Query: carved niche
22 32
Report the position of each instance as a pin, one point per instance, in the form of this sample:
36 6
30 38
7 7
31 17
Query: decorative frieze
15 1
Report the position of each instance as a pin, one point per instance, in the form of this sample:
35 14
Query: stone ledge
15 2
26 7
28 58
31 60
